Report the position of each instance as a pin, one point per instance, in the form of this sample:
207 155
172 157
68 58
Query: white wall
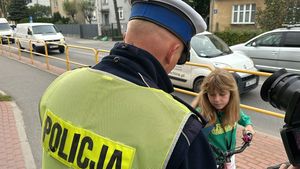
40 2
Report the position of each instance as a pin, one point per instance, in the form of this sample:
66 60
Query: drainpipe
98 9
212 5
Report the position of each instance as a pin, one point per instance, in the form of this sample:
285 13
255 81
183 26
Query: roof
3 20
204 33
34 24
289 27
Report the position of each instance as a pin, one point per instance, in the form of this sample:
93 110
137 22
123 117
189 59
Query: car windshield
44 29
4 26
209 46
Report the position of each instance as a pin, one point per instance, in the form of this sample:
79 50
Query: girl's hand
284 166
249 128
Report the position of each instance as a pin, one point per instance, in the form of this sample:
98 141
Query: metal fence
86 31
69 29
89 31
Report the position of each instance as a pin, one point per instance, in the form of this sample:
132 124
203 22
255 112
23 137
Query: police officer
119 113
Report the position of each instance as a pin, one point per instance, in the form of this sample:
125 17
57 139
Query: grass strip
5 97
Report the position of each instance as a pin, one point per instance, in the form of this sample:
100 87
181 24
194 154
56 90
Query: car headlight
62 40
40 41
221 65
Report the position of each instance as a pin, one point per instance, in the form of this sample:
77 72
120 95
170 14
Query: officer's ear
124 35
174 53
172 57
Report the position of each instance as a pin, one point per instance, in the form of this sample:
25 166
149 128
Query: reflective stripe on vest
87 107
80 148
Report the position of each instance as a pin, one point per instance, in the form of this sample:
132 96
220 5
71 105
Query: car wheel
20 46
61 49
35 49
197 83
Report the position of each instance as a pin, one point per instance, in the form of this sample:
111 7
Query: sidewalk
15 152
11 155
264 151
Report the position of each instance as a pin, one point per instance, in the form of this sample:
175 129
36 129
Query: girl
219 103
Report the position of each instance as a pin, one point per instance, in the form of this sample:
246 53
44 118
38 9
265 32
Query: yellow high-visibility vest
92 119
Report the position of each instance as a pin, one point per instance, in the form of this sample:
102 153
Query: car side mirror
254 44
29 32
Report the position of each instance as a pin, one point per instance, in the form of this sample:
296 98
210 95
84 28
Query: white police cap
174 15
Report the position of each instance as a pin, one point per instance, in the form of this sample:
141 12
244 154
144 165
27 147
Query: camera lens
278 89
282 91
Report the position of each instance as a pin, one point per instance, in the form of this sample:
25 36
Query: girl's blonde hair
219 80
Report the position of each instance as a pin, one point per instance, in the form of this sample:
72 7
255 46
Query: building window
243 14
55 4
121 13
105 2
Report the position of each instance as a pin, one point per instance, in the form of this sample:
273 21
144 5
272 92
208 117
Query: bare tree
117 18
88 7
70 9
3 8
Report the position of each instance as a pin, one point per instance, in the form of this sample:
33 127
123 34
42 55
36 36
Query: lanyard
228 144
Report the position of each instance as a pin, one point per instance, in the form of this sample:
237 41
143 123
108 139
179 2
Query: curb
26 150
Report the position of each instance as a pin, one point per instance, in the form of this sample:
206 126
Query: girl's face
219 99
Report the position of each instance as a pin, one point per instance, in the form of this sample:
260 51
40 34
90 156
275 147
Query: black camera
282 91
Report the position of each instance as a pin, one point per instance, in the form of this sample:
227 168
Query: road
26 85
83 55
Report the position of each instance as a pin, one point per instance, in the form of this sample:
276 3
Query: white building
105 13
40 2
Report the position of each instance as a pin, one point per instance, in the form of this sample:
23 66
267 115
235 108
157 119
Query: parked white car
207 48
39 33
5 31
273 50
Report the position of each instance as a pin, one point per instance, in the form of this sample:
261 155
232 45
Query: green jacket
217 137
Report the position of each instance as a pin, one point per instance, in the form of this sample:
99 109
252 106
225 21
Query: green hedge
232 37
